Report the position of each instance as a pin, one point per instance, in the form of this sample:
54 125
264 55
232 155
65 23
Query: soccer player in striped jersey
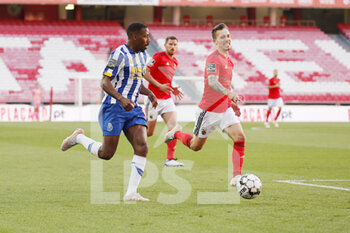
274 98
160 73
122 83
218 105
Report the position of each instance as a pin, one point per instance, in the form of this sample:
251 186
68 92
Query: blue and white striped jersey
126 69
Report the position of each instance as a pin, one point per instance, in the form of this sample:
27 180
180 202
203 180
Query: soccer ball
249 186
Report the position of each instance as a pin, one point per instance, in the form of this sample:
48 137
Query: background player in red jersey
274 98
160 73
37 97
215 107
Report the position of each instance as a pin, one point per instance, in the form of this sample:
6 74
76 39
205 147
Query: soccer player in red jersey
160 72
215 108
274 98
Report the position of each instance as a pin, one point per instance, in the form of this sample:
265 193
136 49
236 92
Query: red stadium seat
210 20
295 47
27 43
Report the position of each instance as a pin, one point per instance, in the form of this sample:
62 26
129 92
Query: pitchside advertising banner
228 3
250 113
38 1
263 3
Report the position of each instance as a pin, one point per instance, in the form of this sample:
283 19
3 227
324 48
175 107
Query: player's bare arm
107 86
150 79
150 95
213 81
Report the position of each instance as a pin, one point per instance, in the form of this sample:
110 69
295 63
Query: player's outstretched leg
137 135
171 161
237 161
71 140
137 167
277 115
78 137
171 134
267 124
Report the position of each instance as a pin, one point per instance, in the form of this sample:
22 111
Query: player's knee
149 133
142 149
196 148
106 155
239 138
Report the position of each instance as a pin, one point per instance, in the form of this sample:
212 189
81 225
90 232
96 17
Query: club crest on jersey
109 127
204 131
211 68
167 63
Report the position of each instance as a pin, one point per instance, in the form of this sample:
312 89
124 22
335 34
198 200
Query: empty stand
55 54
312 67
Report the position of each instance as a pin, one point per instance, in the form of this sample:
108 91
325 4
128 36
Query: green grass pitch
45 190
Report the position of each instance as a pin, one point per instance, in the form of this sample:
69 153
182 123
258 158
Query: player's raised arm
107 86
213 81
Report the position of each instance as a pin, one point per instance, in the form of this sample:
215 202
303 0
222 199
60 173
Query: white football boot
235 180
276 124
173 163
71 140
169 136
267 124
134 197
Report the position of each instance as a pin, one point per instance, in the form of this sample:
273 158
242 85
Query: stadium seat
310 63
210 20
55 54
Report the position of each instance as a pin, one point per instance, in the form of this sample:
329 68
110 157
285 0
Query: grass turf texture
45 190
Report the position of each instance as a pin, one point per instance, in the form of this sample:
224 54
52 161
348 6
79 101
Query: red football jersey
274 93
163 70
212 100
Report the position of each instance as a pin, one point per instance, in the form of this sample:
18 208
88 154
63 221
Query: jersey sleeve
115 63
212 66
153 62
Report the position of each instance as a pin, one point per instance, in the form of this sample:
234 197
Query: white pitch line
327 180
315 185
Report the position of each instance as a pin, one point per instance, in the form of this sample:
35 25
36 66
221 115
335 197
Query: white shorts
164 105
275 103
206 122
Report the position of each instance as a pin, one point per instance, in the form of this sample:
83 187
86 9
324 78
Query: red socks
238 157
171 149
267 115
185 138
278 113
